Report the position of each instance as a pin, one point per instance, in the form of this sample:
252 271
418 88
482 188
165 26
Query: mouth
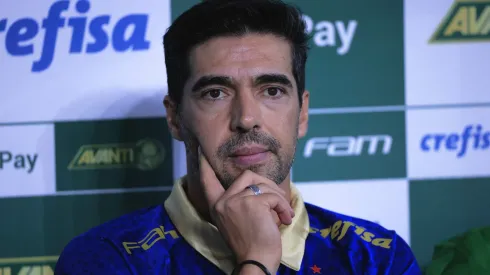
250 155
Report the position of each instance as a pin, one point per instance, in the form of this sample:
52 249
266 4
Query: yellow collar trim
206 239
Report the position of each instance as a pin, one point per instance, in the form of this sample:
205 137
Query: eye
213 94
273 92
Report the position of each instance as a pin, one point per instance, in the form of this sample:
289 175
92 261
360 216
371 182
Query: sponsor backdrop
399 121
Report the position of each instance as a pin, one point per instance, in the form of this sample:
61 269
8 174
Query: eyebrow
273 78
209 80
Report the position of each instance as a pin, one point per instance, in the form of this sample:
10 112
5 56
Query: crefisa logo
471 138
88 36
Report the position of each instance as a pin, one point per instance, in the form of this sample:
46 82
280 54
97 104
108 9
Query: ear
173 119
303 115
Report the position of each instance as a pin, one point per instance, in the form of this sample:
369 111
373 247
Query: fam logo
89 35
146 154
336 34
473 137
344 146
466 20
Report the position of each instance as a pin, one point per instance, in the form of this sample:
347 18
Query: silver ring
255 189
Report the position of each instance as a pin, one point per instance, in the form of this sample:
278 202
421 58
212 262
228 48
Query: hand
246 221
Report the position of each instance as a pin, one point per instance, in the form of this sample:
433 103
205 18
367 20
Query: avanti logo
343 146
466 20
27 270
146 154
40 265
127 34
332 34
471 138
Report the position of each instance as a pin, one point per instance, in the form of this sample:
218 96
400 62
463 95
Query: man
237 99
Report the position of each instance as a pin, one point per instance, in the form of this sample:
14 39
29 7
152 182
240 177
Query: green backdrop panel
441 209
113 154
42 226
352 146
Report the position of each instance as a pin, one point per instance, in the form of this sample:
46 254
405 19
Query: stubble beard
276 170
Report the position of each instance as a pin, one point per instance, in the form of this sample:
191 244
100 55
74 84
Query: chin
271 169
260 169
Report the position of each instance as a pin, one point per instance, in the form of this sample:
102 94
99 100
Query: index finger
213 189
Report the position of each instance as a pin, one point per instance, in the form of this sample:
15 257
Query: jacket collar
206 239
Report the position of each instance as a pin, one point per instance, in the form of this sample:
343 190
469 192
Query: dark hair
214 18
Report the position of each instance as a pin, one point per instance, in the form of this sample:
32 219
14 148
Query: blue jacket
172 239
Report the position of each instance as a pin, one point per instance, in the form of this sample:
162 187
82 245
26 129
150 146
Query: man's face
240 104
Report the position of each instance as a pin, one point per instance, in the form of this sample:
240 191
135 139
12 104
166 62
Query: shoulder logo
466 21
339 229
155 235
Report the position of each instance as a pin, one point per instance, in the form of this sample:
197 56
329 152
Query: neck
194 191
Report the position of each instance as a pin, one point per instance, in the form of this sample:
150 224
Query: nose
245 113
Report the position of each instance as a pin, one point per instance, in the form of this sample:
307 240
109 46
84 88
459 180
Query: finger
279 205
213 189
265 189
240 187
246 179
